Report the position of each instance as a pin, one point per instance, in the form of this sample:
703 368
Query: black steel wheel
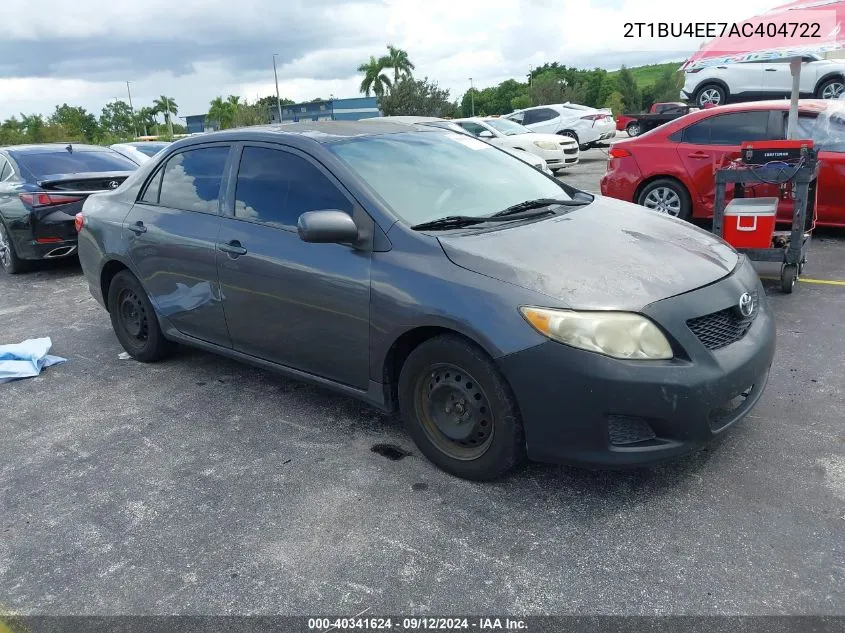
459 410
9 260
788 277
134 320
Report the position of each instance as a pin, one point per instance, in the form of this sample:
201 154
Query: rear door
707 143
171 234
777 78
543 120
305 306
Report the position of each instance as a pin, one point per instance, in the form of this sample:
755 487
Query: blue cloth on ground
27 359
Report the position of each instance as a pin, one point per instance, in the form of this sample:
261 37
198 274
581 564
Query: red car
670 169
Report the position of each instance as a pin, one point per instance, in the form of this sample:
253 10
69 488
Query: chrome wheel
833 90
5 248
663 200
710 96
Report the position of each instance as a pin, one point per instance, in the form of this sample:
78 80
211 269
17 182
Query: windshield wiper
450 222
536 204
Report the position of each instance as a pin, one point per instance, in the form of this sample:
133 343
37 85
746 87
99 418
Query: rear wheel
9 259
134 320
633 128
459 410
666 196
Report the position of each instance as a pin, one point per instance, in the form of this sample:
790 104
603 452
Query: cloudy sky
82 52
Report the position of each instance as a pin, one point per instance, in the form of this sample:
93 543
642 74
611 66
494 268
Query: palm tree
167 106
374 79
219 112
145 119
398 60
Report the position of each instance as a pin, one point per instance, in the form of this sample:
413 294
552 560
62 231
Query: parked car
658 114
450 124
42 187
670 169
588 126
559 152
503 316
141 151
762 79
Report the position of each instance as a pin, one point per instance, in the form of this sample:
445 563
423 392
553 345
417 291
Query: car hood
608 255
536 136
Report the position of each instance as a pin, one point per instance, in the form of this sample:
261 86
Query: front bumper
591 410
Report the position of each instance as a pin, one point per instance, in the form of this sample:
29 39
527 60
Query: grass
648 75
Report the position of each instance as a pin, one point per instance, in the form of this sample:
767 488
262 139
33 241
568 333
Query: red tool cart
748 223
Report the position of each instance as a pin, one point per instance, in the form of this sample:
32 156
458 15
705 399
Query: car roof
405 119
322 132
41 148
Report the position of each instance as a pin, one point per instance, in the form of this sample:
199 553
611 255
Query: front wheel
831 89
459 410
134 320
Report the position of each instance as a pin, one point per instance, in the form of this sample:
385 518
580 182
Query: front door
172 236
707 143
306 306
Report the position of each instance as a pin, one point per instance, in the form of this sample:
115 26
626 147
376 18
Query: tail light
593 117
40 199
618 152
79 221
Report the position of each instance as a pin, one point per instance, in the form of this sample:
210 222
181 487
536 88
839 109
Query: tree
12 132
145 120
221 112
77 122
398 60
166 106
615 103
374 78
547 88
32 127
116 120
631 95
521 102
247 114
415 97
666 88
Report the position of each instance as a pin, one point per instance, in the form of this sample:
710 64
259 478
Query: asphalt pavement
203 486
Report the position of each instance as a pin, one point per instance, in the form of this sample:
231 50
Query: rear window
64 162
150 149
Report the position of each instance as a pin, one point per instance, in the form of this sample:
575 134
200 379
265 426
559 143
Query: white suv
716 85
586 125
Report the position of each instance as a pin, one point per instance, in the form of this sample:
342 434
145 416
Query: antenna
69 148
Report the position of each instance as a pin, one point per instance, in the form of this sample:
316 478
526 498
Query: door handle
699 155
233 248
137 228
771 70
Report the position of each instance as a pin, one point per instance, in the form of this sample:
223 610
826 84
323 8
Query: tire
633 128
831 89
711 93
666 195
570 134
134 320
9 260
788 277
486 438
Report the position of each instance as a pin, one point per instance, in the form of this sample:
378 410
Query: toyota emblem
113 184
746 305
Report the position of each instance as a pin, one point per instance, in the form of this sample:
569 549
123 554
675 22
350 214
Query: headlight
545 144
619 334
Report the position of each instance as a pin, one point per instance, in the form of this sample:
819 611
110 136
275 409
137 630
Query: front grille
571 150
719 329
625 430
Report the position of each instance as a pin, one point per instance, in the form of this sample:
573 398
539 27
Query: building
330 110
197 123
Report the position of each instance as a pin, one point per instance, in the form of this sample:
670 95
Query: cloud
194 50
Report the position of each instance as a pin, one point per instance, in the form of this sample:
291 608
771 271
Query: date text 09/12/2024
710 30
417 624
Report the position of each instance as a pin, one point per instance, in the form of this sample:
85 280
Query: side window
5 170
276 187
698 133
544 114
519 117
472 128
733 129
150 195
191 180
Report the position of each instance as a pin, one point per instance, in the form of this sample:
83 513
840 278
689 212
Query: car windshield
65 162
827 129
150 149
425 176
507 127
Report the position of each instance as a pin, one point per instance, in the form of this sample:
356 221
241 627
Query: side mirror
485 134
327 227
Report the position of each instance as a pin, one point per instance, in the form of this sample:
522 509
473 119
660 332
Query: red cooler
750 222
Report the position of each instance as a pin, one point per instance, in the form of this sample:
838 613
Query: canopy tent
786 32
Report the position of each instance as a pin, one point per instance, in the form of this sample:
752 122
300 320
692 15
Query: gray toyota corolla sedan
503 313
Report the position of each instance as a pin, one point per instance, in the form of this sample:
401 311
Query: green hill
648 75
